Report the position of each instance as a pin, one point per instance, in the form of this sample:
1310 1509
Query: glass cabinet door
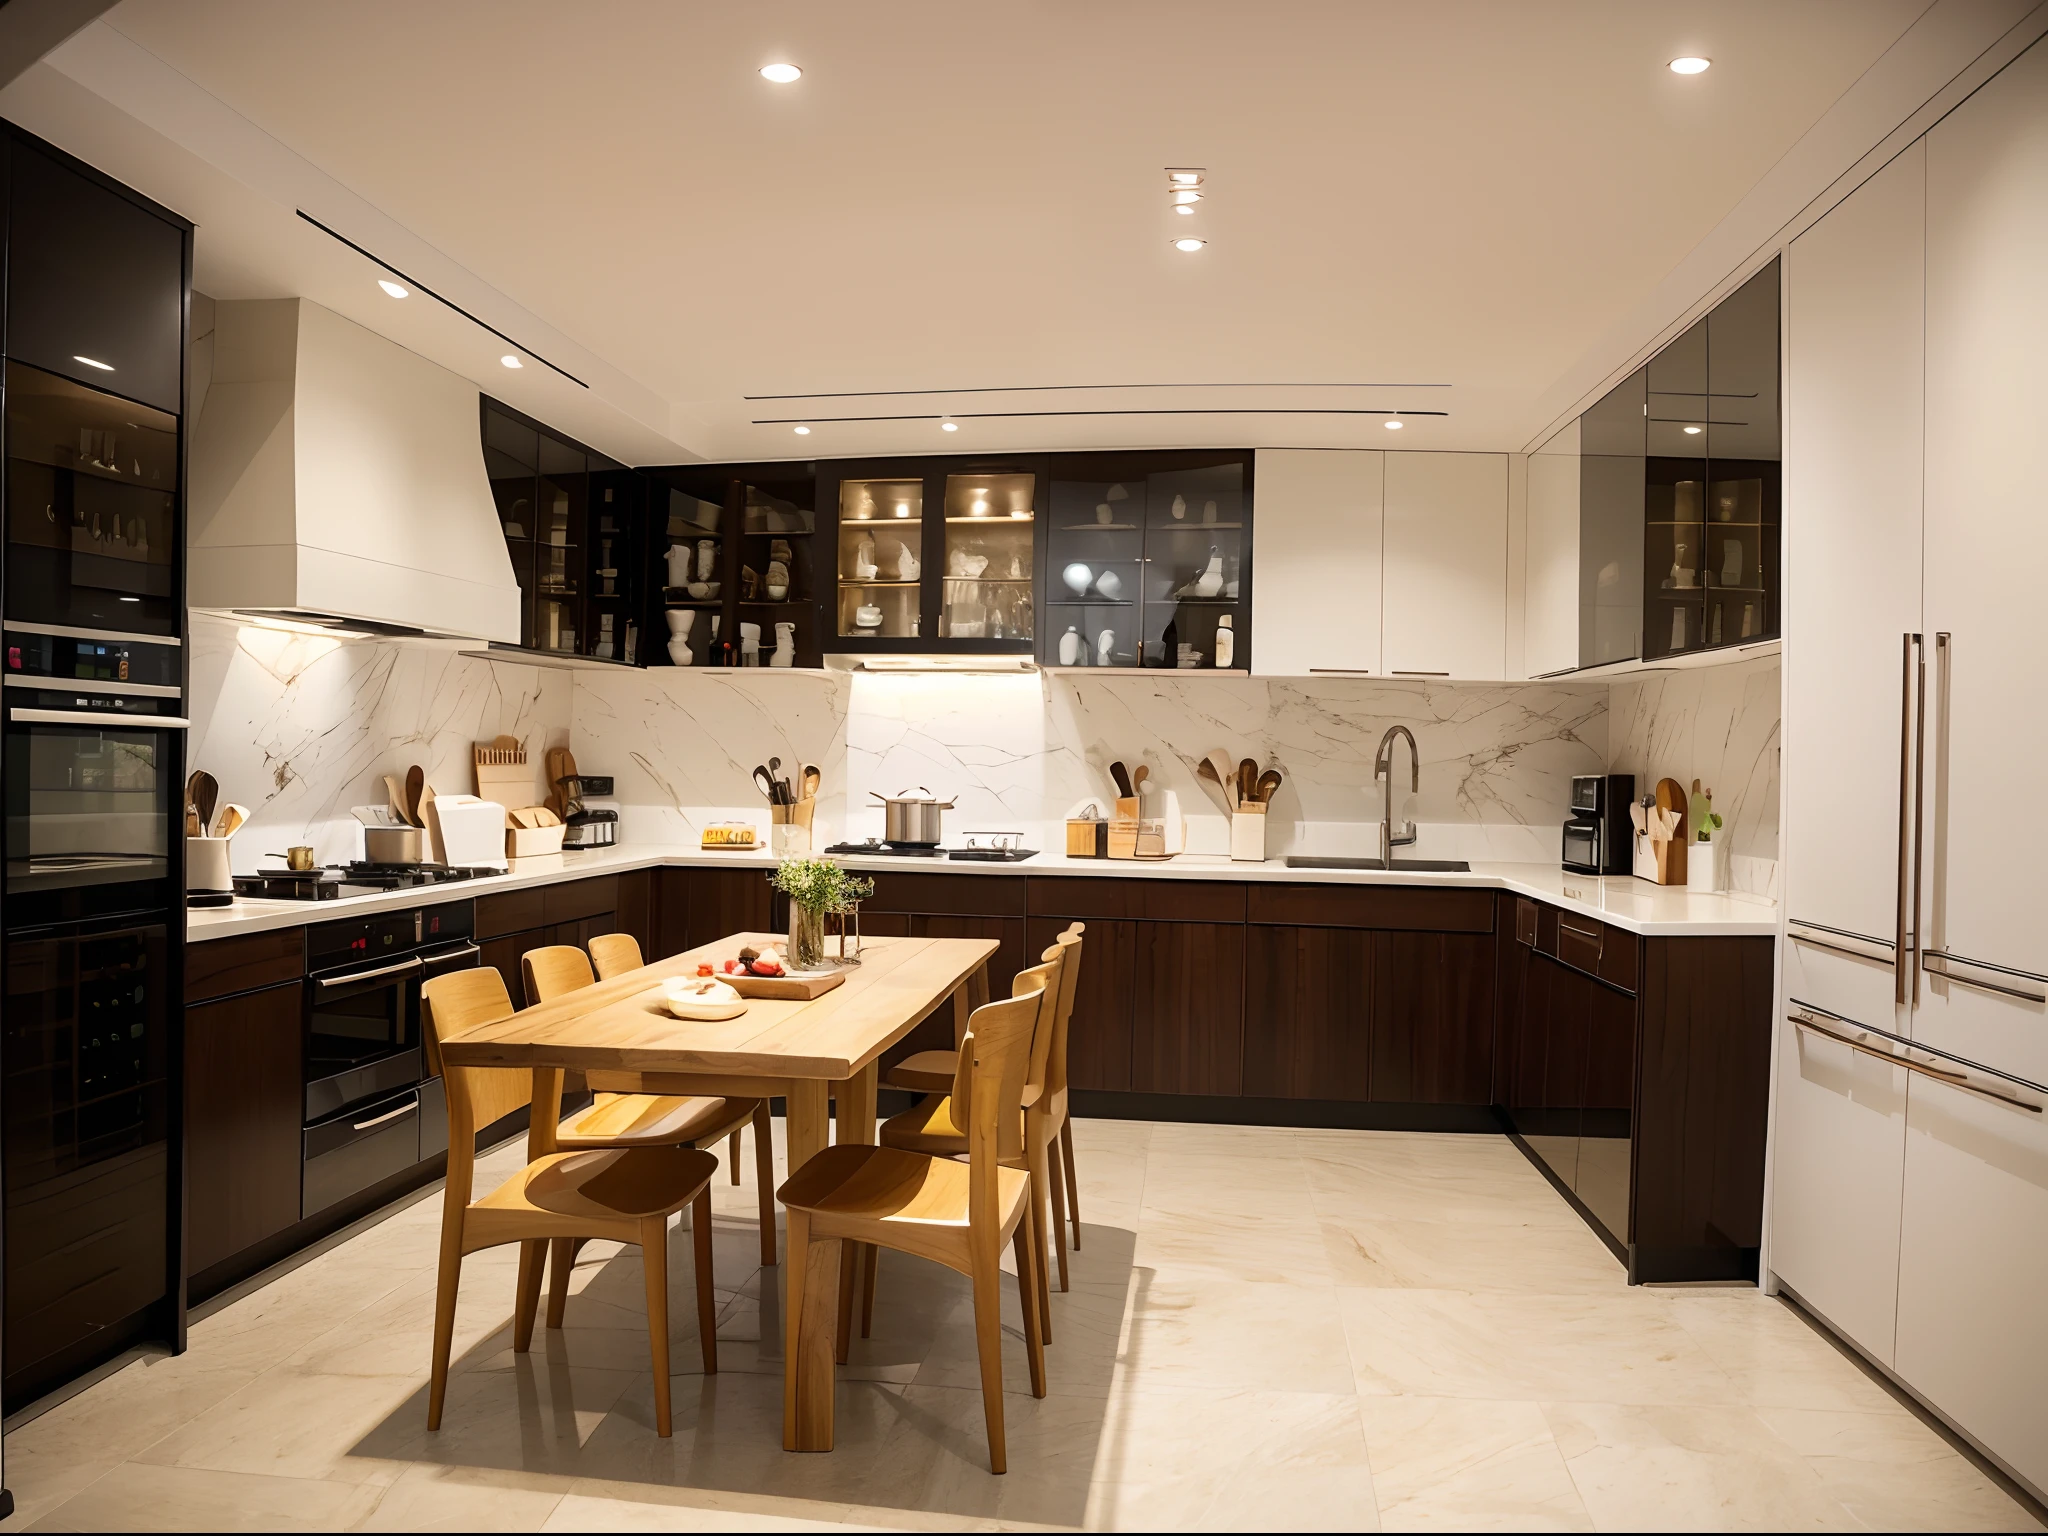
1740 538
1194 566
1675 497
691 544
564 496
990 527
881 562
611 571
1612 455
777 593
1094 565
511 454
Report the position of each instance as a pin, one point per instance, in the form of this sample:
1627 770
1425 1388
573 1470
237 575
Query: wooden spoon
395 793
1139 775
231 819
415 781
1269 785
205 792
1226 777
1247 779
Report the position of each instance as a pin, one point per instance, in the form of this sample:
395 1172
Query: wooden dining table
808 1053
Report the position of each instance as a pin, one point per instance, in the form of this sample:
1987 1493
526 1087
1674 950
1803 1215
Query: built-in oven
93 527
94 737
372 1110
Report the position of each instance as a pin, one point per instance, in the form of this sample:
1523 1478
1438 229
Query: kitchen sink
1419 866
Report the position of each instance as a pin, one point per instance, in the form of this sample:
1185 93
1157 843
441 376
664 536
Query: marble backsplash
300 728
1719 725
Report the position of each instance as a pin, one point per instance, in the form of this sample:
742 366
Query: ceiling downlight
781 74
1691 64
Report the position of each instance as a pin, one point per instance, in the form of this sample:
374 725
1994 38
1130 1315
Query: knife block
1670 857
1124 822
790 827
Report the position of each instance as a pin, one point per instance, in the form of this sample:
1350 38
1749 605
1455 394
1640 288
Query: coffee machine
1599 838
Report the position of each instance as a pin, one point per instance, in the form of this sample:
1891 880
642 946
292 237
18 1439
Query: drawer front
1400 909
1181 901
1525 921
1586 944
508 912
219 967
967 895
574 900
353 1151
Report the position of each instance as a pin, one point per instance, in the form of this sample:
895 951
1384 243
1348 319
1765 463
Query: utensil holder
206 864
1706 868
1087 839
1669 855
789 829
1248 835
1124 822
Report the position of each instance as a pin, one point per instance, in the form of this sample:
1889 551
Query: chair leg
1034 1158
446 1283
988 1344
733 1148
764 1175
1073 1184
793 1320
533 1256
561 1260
707 1301
1056 1177
654 1266
849 1267
1031 1256
867 1290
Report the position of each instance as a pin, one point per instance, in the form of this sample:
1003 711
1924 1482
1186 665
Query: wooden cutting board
789 988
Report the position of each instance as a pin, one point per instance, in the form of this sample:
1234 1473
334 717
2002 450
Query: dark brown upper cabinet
734 552
96 279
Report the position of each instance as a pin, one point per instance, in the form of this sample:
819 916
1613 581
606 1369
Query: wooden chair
1045 1099
624 1194
623 1116
614 954
930 1127
957 1214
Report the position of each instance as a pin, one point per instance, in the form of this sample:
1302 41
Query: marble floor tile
1467 1464
1266 1329
1230 1335
1663 1467
134 1497
1619 1348
1893 1472
1470 1256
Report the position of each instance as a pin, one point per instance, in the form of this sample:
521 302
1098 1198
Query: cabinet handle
1340 671
1911 643
389 1115
1938 960
400 969
1919 806
1412 672
1800 931
98 717
1805 1020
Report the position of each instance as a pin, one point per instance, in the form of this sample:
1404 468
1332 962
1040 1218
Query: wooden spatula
1226 777
415 782
205 792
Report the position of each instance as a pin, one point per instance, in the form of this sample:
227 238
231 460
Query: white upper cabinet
1446 550
1316 581
1552 589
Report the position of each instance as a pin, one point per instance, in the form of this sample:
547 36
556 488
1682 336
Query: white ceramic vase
707 558
679 565
1078 576
1072 647
1105 647
785 646
750 645
1210 582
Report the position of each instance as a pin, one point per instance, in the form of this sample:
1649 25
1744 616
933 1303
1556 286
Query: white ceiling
969 197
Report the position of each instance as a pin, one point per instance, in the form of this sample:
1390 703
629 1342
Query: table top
623 1025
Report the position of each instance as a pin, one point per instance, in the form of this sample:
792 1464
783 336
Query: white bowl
704 999
1077 577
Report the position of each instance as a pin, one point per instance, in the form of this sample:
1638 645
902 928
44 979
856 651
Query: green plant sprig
819 885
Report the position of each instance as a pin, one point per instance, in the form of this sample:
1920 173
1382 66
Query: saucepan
912 819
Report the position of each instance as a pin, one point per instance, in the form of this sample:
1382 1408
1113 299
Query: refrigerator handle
1902 938
1920 809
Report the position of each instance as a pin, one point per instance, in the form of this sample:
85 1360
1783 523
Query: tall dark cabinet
98 285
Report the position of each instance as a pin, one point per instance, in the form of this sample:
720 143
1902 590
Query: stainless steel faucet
1383 768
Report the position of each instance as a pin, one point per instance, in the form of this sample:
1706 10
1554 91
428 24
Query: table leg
977 986
856 1128
807 1419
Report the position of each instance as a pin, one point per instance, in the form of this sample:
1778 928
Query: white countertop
1628 903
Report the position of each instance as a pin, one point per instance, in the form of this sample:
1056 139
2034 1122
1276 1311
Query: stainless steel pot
392 845
912 819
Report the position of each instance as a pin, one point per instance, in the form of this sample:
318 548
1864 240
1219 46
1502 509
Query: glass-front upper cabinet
1739 538
92 508
1674 496
1613 452
689 547
561 512
1148 561
777 597
934 555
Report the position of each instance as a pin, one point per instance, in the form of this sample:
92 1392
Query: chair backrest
614 954
1043 980
988 1090
1070 981
477 1096
553 971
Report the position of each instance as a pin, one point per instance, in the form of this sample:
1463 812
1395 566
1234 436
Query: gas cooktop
930 851
353 879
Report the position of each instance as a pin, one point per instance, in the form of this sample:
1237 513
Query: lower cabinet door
722 902
1547 1074
244 1092
1973 1266
1432 1017
1308 1012
1187 1033
1838 1158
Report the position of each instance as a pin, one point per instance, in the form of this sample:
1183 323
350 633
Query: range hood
338 477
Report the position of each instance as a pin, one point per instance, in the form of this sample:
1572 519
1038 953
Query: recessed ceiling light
781 74
1190 245
803 431
1185 178
1187 195
510 361
396 290
1392 426
1184 208
1690 66
949 426
1692 431
93 362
